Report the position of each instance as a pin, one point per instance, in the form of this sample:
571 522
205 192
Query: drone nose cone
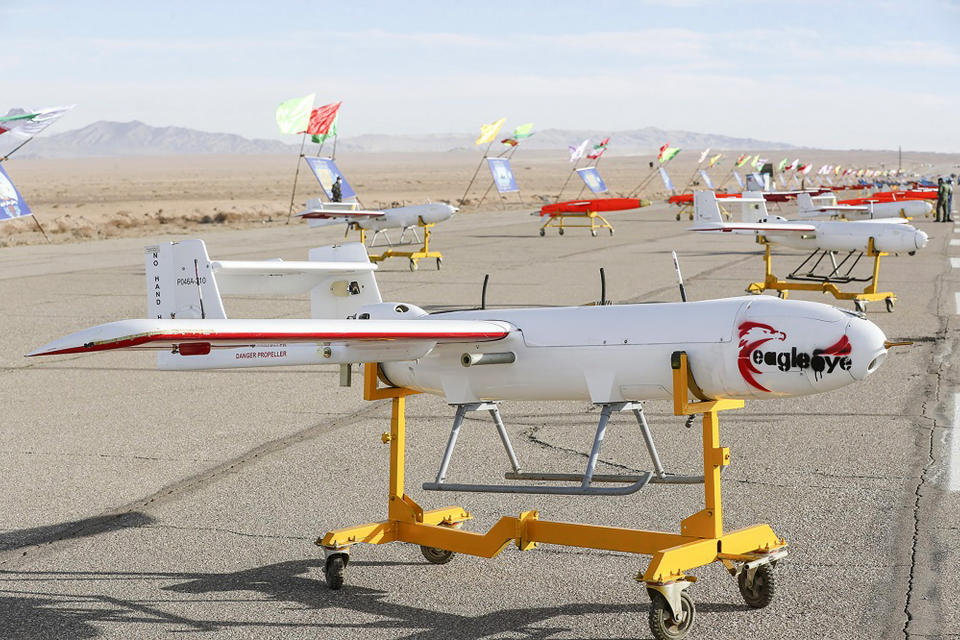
920 238
867 347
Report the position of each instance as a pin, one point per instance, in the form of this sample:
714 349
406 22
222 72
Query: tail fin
180 282
754 206
705 208
805 203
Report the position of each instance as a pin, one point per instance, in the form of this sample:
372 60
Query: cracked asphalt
141 503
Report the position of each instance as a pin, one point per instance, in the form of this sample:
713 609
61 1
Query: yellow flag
489 131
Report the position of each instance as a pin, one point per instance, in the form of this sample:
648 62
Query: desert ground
141 503
96 198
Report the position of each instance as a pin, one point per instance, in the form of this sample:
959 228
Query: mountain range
138 139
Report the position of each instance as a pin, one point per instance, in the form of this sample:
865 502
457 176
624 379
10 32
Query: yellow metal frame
413 256
701 540
772 282
592 216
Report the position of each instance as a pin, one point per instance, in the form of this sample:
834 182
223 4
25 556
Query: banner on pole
706 178
667 182
12 204
326 171
591 178
738 179
502 175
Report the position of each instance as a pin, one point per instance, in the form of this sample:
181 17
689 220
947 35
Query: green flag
668 154
523 131
782 165
294 115
320 139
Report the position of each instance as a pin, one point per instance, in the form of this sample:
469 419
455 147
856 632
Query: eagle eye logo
753 335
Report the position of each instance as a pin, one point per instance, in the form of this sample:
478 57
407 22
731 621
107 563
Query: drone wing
340 341
767 227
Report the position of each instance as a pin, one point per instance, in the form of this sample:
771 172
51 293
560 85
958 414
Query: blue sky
830 74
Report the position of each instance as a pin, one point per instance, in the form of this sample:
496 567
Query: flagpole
296 176
569 175
16 148
477 172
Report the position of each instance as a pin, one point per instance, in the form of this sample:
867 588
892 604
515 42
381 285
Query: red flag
321 118
662 149
510 141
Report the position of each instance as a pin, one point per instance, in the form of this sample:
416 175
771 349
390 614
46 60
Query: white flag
577 152
26 124
703 156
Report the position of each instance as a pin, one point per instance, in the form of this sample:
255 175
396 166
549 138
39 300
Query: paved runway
140 503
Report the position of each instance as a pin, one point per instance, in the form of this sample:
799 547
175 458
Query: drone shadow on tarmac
50 612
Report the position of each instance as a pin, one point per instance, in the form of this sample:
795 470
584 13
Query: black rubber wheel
439 262
593 232
781 294
859 306
436 556
662 624
561 231
760 593
678 217
333 572
611 231
413 265
889 302
542 233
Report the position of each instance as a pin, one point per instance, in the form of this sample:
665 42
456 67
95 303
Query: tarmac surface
139 503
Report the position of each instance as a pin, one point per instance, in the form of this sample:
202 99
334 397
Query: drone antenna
603 287
676 265
483 292
196 272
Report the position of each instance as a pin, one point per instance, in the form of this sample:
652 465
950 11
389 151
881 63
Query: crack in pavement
224 530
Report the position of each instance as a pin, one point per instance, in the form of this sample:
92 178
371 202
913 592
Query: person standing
337 190
941 200
949 209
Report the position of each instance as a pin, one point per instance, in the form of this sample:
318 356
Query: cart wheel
890 302
413 264
662 624
760 593
781 294
593 232
333 571
611 230
678 217
542 233
860 305
436 556
439 262
561 231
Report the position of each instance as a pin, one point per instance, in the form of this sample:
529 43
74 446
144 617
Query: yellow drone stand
413 256
860 298
749 554
592 222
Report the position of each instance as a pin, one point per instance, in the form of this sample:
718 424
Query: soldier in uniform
337 191
941 200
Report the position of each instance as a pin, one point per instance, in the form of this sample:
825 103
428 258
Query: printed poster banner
706 178
326 171
739 179
502 175
667 182
591 178
11 202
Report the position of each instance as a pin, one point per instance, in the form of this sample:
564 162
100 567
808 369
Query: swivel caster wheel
333 571
561 231
890 302
662 623
413 265
593 232
611 231
759 592
678 217
860 305
782 295
542 233
439 263
436 556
